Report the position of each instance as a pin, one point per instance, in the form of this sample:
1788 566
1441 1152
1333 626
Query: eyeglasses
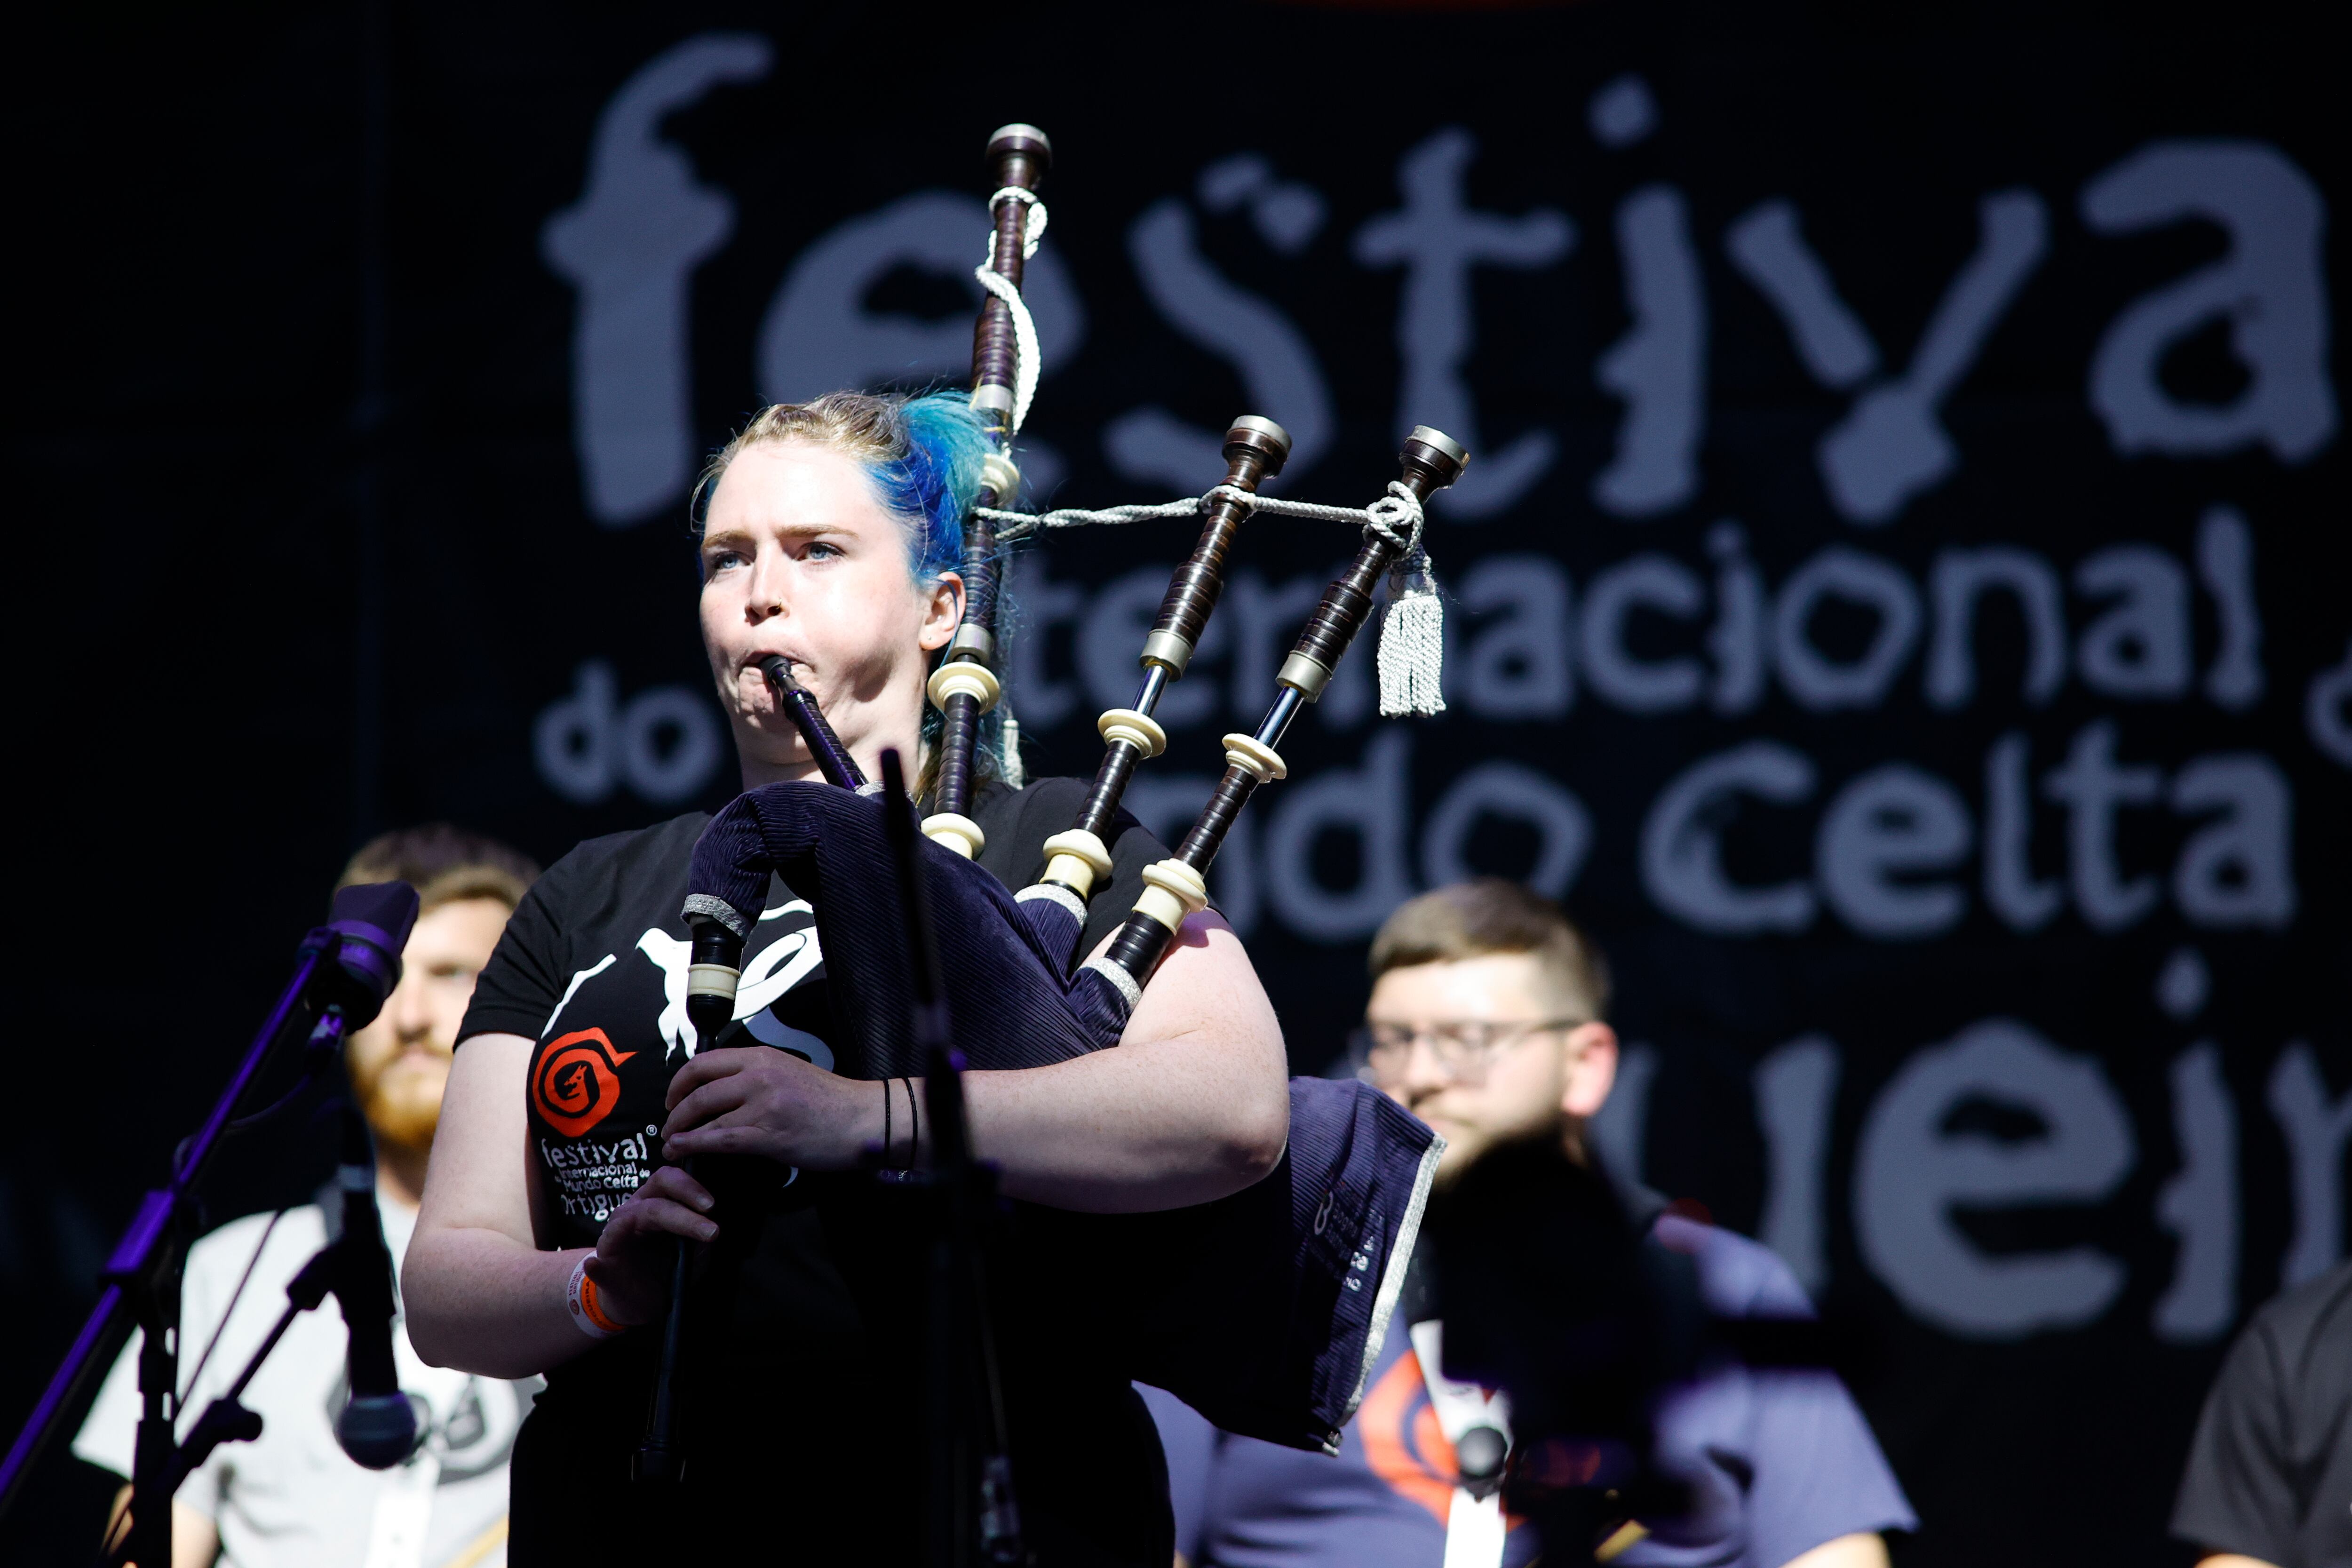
1467 1049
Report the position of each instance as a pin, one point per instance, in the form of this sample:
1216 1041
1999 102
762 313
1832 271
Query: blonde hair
851 422
922 453
1488 916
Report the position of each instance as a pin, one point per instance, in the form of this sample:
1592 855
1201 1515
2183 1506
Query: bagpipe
1266 1310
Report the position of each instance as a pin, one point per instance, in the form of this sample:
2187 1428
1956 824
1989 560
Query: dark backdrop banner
1897 600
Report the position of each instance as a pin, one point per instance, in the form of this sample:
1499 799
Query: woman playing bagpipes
710 1078
830 537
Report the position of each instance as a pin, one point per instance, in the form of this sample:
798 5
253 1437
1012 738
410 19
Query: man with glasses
1486 1021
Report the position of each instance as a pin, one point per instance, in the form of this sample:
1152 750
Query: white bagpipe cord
1025 365
1412 660
1024 330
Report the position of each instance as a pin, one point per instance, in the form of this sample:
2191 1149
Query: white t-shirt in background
292 1499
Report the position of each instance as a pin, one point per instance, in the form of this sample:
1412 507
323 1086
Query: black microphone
378 1428
372 922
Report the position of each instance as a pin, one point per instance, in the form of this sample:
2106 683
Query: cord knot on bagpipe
1413 631
1024 328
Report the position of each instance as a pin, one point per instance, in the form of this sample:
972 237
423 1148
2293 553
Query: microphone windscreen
389 906
373 920
378 1430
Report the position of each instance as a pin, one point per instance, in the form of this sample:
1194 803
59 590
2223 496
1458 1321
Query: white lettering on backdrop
2199 1205
1892 445
1517 664
1664 586
2316 1130
1659 367
1913 1170
2270 288
1882 831
1794 1087
1437 238
2098 828
1281 377
2328 711
1512 662
664 743
821 335
1682 842
1962 577
629 247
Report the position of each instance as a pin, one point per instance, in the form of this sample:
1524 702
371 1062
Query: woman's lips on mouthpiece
757 661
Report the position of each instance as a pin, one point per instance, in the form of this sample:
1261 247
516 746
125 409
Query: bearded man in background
292 1499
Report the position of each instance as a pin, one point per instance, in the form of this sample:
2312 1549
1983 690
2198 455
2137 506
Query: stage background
1899 600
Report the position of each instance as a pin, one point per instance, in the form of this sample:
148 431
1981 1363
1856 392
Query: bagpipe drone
1265 1310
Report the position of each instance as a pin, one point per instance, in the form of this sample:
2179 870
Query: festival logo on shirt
1403 1444
594 1179
577 1080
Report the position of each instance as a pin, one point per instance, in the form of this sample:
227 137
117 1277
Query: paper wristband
587 1310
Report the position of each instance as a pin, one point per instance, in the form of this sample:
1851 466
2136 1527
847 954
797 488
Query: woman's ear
1591 1051
942 611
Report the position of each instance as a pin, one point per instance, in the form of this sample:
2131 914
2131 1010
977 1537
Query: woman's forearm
1191 1107
1149 1126
477 1291
483 1302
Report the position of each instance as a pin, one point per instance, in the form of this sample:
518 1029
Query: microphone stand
660 1457
969 1471
353 1269
342 971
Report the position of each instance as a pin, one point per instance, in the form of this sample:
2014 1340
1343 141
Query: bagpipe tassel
1412 640
1014 772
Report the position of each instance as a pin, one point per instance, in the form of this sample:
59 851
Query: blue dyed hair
923 454
936 484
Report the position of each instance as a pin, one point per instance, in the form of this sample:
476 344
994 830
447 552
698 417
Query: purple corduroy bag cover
1264 1311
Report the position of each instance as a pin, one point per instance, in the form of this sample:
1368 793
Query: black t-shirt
804 1413
2270 1474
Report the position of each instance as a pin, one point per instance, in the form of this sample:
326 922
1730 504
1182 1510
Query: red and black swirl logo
577 1081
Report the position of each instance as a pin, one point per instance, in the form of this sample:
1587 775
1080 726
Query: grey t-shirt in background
2270 1471
292 1499
1779 1461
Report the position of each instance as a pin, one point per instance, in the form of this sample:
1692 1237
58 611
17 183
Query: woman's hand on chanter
751 1099
632 1262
